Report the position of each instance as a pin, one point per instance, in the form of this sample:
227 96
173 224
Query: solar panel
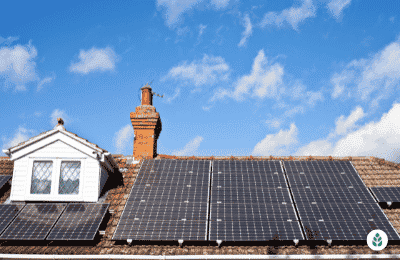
251 204
4 179
79 221
333 202
34 222
168 201
8 213
387 194
338 221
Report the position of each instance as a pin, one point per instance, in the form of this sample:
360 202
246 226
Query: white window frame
55 180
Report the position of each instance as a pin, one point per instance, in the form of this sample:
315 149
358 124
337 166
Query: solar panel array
386 194
168 201
333 202
34 222
79 221
4 179
250 201
8 213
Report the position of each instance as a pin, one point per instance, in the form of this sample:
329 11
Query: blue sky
238 77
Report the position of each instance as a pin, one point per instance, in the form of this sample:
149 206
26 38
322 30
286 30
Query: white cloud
392 19
274 123
263 81
380 139
247 32
373 139
190 148
170 99
95 60
45 81
56 114
175 9
17 66
8 41
293 15
378 75
316 148
21 135
343 125
277 144
123 138
336 7
219 4
202 28
206 71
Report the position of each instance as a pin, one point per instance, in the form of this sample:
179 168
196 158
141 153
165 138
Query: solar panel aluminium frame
208 200
62 231
371 196
377 191
135 182
282 183
23 223
292 201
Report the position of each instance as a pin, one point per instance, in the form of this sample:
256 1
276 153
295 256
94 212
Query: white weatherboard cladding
91 180
20 175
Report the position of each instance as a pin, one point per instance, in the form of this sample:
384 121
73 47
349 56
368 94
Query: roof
373 171
43 135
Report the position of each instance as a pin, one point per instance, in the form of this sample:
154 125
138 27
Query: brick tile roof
373 171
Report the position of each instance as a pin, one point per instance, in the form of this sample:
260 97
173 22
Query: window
56 177
41 177
69 177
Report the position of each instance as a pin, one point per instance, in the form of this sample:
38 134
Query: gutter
353 256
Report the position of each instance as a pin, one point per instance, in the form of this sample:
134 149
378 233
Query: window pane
41 177
69 177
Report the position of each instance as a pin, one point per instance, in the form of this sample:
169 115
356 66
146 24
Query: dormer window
41 177
53 176
58 165
69 177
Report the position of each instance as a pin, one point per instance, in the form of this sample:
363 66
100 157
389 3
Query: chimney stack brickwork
146 124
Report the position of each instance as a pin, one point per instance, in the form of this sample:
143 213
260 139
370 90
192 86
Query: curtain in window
41 177
69 177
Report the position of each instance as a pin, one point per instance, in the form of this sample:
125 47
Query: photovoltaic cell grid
327 211
4 179
79 221
34 222
250 201
168 201
322 221
387 194
8 213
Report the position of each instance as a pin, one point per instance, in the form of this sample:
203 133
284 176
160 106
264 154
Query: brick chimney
146 124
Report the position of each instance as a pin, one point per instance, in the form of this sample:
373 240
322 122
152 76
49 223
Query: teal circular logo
377 240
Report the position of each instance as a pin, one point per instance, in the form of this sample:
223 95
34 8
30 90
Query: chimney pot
147 96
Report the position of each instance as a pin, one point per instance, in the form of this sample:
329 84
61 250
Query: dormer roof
58 129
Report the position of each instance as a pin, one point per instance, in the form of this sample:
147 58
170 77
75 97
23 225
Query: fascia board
51 139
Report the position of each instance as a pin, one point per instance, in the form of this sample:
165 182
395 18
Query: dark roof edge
337 256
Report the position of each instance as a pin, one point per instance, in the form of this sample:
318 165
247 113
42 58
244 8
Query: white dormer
57 165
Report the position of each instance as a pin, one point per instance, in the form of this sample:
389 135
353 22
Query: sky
237 77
